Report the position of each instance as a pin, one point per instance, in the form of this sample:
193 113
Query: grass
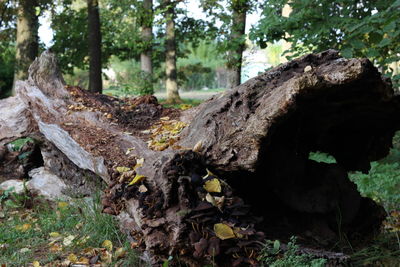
186 103
53 234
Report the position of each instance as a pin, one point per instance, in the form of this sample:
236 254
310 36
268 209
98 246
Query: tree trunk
255 139
147 37
27 44
94 40
170 56
235 55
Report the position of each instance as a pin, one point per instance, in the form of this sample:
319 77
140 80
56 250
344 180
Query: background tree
146 63
27 40
231 35
171 82
7 46
94 41
358 28
237 41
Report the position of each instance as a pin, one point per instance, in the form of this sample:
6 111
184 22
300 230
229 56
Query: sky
193 7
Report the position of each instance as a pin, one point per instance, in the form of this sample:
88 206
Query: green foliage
272 255
198 69
19 143
357 28
7 61
120 32
321 157
83 219
382 183
384 251
130 79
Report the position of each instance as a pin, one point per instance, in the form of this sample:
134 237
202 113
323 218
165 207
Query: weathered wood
256 138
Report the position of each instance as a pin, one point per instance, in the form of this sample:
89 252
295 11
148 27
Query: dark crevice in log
296 195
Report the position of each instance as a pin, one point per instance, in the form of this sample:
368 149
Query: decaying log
253 143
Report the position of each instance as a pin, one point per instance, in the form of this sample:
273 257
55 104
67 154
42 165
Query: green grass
31 230
185 101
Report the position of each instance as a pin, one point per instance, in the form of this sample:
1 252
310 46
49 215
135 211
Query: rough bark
27 44
171 83
235 55
94 41
256 139
146 64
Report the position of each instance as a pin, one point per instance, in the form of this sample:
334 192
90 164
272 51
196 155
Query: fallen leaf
139 163
129 150
198 146
120 253
83 260
223 231
24 250
212 186
54 234
210 199
126 176
62 205
143 189
107 244
134 245
55 248
122 169
23 228
68 240
36 264
236 230
137 179
72 258
105 256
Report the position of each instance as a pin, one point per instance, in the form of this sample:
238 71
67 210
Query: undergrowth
51 234
273 255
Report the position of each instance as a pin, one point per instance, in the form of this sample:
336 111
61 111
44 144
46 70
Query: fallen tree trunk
210 184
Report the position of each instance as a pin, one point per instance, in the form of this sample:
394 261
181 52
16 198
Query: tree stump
211 183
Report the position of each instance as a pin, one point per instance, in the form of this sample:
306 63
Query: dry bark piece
256 138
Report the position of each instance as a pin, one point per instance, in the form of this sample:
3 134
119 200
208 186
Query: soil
132 116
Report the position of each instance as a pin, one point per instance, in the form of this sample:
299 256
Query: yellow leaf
212 186
120 253
23 228
122 169
106 257
223 231
36 264
137 179
62 205
54 234
236 231
72 258
185 106
83 261
107 244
